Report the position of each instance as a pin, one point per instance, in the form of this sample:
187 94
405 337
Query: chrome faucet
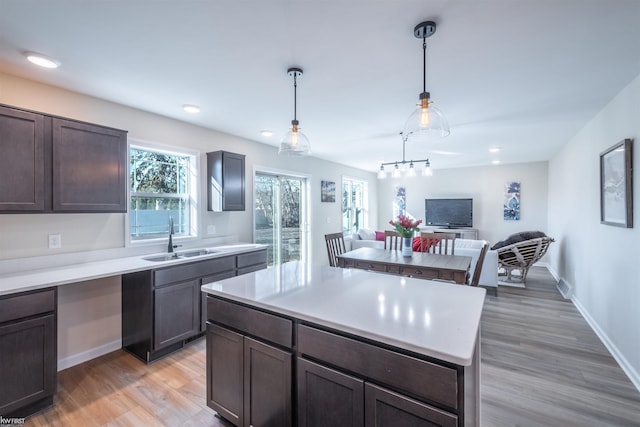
171 246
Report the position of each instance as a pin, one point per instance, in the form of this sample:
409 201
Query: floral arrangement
405 226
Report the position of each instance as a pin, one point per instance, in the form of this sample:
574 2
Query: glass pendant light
294 142
427 123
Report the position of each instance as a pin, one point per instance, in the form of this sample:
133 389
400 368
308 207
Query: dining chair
335 247
478 270
437 243
394 239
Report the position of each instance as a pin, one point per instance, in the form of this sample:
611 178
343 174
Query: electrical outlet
211 229
55 241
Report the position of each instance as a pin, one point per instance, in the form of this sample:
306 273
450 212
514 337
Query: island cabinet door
327 397
225 373
267 385
387 408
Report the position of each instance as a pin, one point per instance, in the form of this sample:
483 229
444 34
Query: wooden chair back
335 247
478 270
392 240
438 243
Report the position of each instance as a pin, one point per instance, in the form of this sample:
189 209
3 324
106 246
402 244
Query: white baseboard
622 361
76 359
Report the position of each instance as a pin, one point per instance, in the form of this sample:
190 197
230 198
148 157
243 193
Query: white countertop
38 278
435 319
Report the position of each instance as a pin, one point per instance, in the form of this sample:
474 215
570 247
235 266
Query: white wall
600 262
485 185
26 235
80 232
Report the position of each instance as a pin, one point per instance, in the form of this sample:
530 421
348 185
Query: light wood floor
542 365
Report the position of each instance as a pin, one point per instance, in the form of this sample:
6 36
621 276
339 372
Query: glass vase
407 248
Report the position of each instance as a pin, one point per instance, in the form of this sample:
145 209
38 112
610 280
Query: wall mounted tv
450 213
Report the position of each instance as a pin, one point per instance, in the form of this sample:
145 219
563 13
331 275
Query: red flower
405 226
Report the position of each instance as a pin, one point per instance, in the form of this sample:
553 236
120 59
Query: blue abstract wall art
512 201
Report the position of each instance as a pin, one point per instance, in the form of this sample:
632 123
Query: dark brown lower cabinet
225 373
327 397
267 385
340 380
248 381
387 408
177 313
28 354
164 308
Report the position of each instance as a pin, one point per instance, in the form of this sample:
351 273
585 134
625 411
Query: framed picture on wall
328 191
616 185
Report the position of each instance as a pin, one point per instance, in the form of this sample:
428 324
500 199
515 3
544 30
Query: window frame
193 191
365 202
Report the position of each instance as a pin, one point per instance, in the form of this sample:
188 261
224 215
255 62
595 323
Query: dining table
421 265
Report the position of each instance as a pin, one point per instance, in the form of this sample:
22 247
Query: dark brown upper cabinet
89 167
22 163
226 182
51 164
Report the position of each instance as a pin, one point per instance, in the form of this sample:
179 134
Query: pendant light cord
295 94
424 64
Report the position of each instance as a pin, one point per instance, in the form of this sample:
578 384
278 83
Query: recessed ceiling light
494 149
266 132
496 162
41 60
191 109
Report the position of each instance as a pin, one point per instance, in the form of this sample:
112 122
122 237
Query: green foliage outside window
159 189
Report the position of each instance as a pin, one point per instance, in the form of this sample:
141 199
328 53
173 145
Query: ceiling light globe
295 144
428 126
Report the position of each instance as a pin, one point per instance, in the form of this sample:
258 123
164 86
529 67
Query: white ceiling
522 75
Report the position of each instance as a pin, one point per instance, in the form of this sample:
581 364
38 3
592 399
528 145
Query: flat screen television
450 213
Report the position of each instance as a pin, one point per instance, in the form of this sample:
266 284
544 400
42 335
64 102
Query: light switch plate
55 241
211 229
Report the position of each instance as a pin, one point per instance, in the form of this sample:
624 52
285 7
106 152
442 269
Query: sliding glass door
280 216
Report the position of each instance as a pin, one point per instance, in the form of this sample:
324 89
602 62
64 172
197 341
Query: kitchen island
308 345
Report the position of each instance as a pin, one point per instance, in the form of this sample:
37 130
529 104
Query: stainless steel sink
179 255
196 252
160 258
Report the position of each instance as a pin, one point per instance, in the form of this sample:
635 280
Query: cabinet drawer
194 269
27 304
218 277
395 269
424 379
253 268
419 273
252 258
368 265
257 323
346 263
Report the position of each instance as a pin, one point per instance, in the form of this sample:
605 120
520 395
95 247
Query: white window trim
365 200
307 215
194 189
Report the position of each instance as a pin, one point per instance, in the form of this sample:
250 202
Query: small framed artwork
328 191
511 205
616 185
